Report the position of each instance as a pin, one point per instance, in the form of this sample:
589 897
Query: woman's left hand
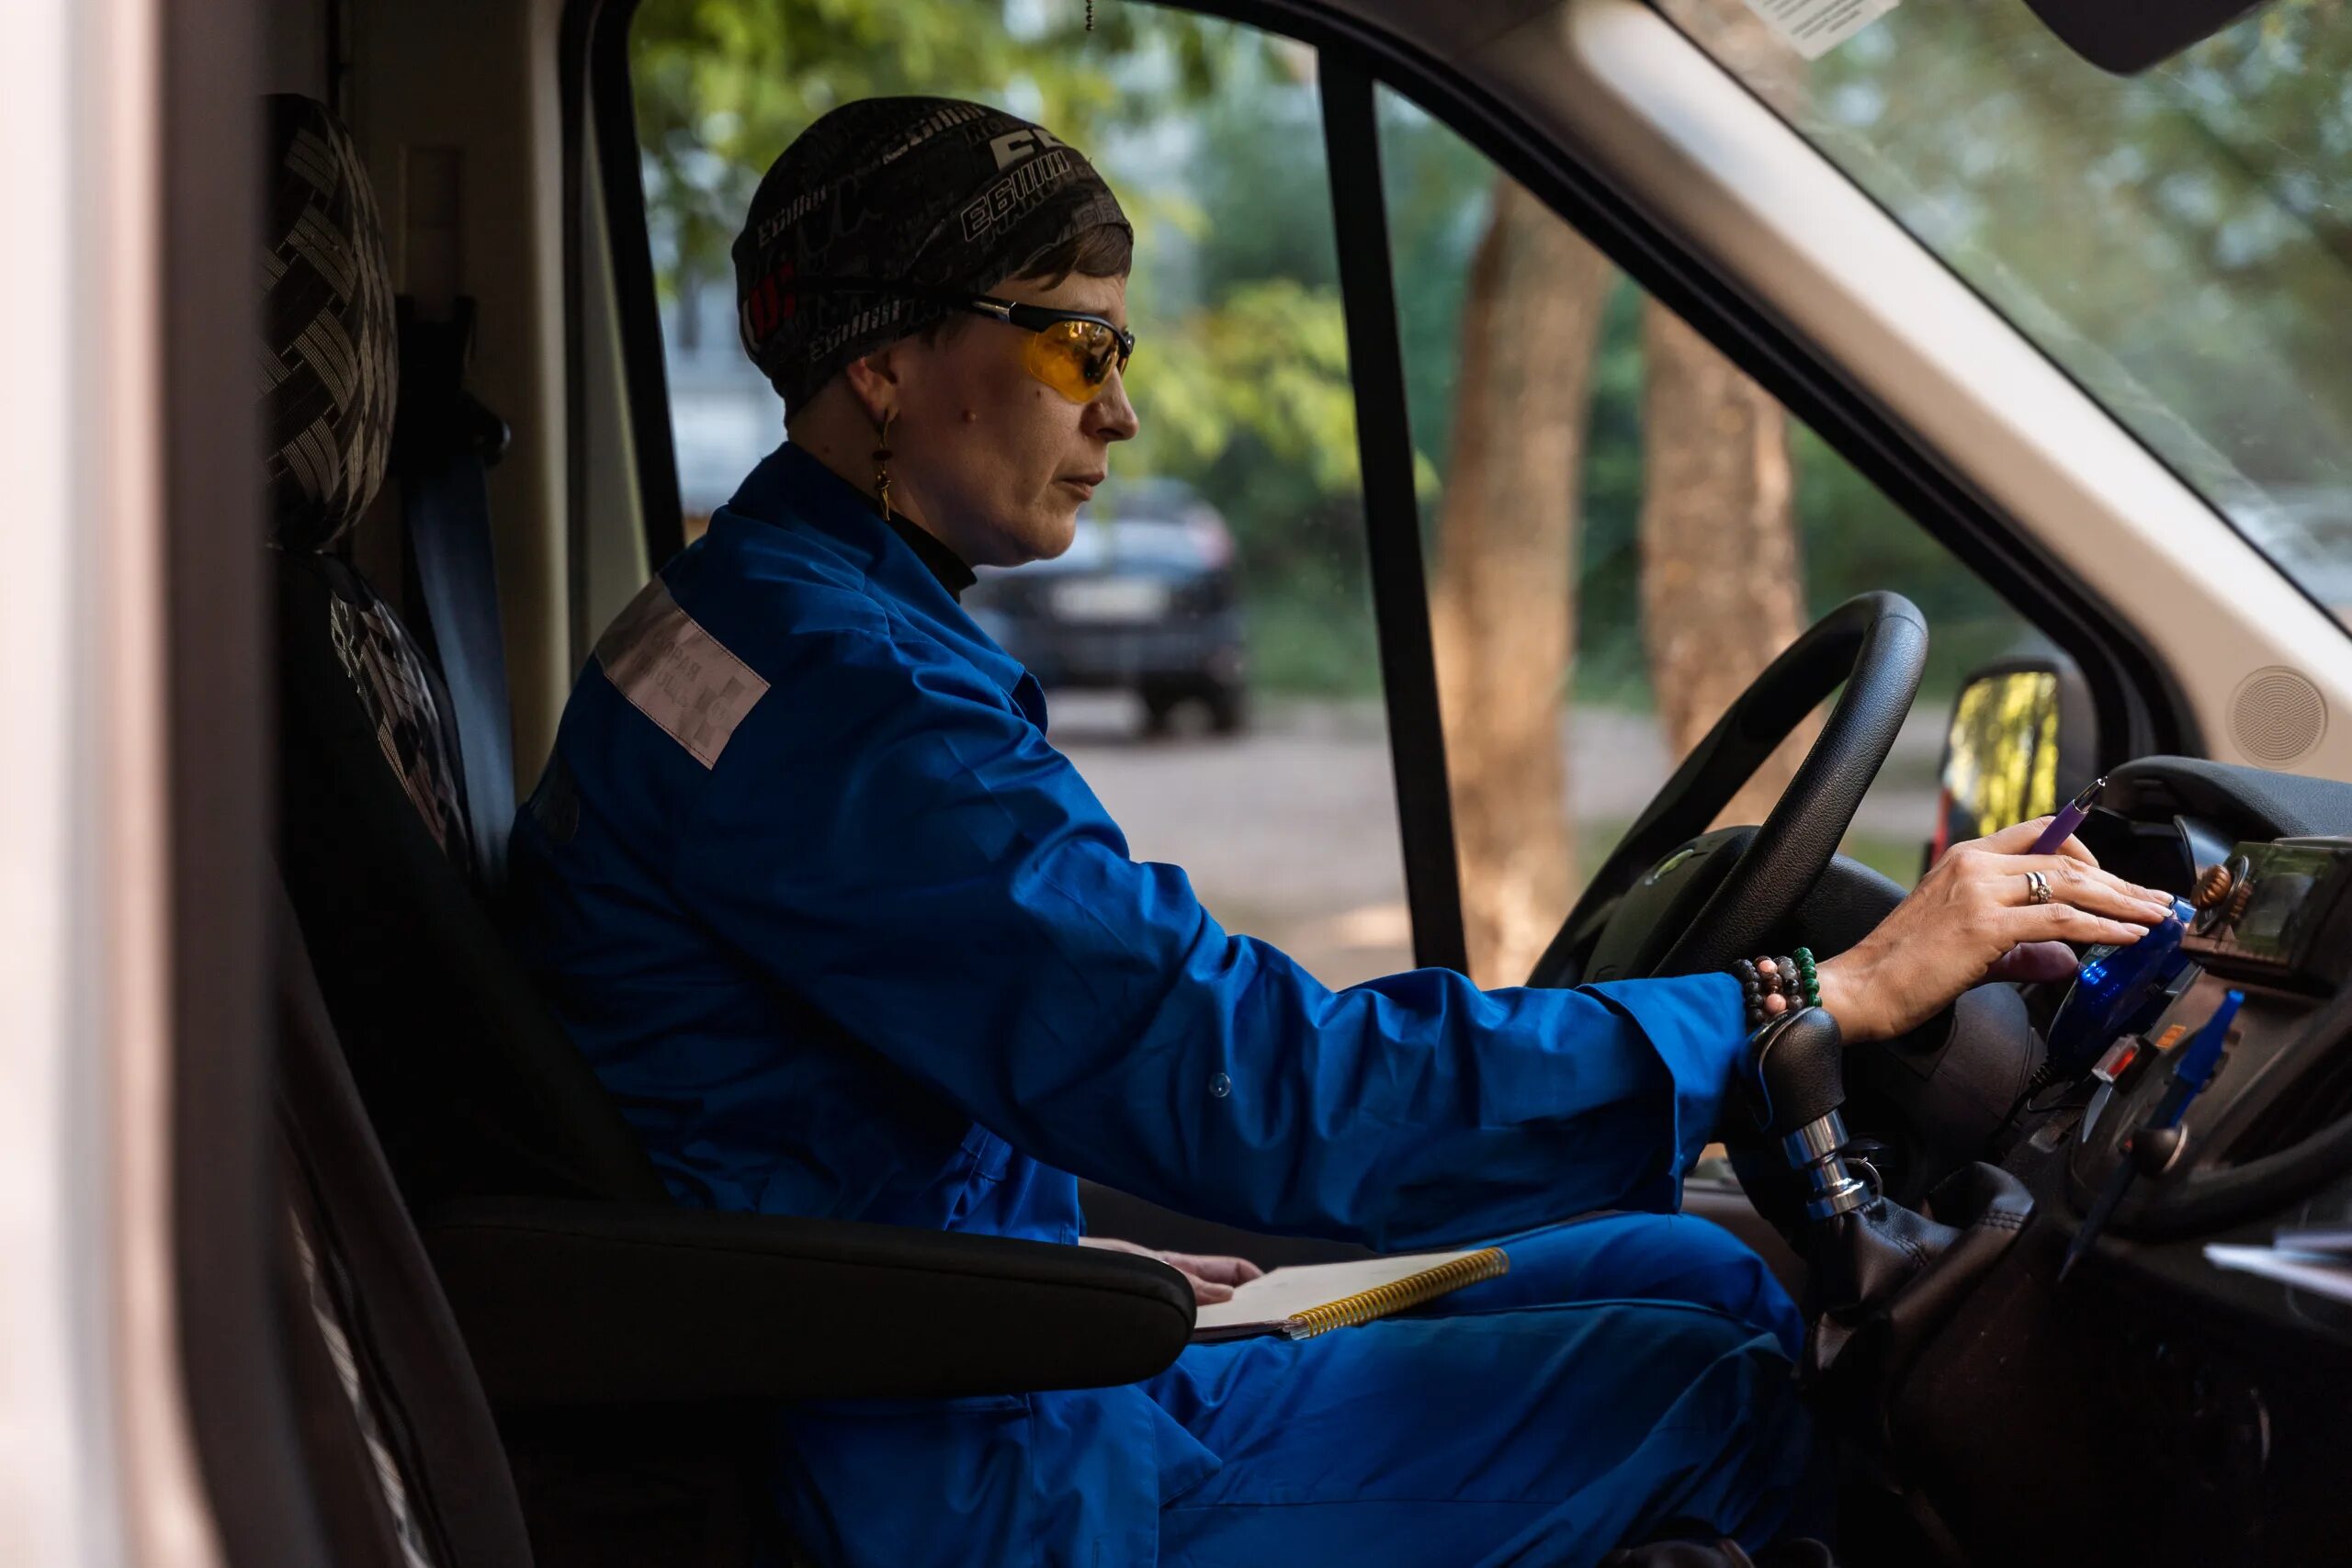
1212 1279
1971 920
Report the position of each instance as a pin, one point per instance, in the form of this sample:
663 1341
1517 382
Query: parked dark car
1144 600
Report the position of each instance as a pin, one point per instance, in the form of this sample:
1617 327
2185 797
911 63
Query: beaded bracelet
1770 987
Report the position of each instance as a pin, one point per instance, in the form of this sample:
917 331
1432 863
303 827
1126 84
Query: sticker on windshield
1814 28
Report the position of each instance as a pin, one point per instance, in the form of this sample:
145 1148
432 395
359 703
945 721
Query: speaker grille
2276 715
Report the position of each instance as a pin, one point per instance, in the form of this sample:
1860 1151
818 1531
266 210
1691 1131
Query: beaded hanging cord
882 464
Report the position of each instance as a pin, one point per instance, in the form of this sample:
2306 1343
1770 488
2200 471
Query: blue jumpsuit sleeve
890 840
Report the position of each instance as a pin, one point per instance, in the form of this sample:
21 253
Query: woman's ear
873 381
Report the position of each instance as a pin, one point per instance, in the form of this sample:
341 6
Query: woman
847 937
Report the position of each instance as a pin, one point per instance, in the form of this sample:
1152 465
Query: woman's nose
1111 415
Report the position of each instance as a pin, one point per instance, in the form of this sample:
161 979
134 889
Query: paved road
1289 832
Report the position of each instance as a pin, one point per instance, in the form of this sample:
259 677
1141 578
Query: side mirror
2019 742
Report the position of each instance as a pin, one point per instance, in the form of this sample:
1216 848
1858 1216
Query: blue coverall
846 937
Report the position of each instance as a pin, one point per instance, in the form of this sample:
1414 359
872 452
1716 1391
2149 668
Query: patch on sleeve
677 674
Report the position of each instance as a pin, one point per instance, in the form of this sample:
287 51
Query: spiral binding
1397 1295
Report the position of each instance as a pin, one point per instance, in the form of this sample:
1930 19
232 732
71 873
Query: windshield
2179 242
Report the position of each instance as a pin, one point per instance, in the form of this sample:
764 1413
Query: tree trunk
1502 604
1722 590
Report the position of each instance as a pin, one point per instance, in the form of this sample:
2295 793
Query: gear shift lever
1796 1085
1875 1265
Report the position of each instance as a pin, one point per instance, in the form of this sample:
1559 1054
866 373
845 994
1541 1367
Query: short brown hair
1107 250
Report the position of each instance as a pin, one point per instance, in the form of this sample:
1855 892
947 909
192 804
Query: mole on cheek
971 416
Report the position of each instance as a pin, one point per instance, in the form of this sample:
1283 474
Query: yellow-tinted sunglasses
1072 351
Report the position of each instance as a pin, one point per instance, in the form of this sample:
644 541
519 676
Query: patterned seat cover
330 375
330 369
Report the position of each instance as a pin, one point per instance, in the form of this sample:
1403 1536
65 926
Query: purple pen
2071 817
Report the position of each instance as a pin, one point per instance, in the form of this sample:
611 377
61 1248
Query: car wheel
1159 707
1229 710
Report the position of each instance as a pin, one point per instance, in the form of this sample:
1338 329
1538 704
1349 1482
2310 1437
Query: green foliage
724 86
1440 191
1611 667
1244 389
1314 636
2178 240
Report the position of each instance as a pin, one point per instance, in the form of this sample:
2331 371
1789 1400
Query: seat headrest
329 351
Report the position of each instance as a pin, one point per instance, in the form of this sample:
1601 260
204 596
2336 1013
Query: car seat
468 1080
403 1454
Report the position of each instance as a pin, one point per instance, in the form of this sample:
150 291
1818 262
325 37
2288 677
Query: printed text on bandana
1017 192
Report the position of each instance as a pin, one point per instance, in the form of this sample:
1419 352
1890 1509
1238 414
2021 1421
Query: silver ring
2037 887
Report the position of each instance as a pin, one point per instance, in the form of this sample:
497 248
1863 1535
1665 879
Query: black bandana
932 192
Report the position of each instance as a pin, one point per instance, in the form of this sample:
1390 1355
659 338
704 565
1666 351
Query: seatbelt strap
444 444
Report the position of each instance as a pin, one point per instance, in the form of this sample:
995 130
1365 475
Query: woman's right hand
1971 920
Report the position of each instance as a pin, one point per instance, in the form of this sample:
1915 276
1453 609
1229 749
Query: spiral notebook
1316 1298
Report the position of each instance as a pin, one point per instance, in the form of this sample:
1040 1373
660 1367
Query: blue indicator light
2094 975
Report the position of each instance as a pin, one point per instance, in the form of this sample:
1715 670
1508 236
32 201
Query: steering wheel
1673 898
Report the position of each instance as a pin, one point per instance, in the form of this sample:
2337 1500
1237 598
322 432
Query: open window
1308 325
1625 529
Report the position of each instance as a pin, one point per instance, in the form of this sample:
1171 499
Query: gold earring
882 463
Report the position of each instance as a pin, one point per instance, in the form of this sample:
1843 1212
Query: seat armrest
566 1301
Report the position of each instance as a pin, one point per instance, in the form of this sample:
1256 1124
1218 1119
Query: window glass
1208 645
2175 240
1622 531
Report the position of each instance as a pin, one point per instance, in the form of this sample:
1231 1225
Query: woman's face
991 460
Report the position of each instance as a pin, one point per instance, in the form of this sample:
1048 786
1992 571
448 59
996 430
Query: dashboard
2194 1089
2129 1130
2271 927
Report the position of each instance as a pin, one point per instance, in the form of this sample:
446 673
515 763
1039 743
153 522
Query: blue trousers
1630 1371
